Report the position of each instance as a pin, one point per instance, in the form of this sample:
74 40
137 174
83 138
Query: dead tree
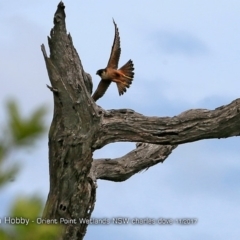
79 127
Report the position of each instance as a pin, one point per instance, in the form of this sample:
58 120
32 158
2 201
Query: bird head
100 72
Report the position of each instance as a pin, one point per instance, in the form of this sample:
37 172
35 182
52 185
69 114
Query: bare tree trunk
72 192
79 127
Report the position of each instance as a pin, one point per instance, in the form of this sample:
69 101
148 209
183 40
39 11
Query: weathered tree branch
120 169
79 127
193 125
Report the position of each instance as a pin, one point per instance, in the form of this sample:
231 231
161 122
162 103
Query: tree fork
79 127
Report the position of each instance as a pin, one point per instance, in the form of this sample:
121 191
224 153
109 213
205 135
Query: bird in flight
123 76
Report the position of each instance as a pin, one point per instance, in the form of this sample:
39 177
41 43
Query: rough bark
192 125
72 192
79 127
120 169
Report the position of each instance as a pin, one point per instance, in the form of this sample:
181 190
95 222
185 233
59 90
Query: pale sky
186 55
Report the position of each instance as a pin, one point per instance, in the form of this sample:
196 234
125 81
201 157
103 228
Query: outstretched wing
116 50
101 89
112 63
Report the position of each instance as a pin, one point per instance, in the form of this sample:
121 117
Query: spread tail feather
126 79
127 69
121 88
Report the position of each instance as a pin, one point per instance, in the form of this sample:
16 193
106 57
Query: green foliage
19 132
22 132
6 174
3 235
33 205
29 209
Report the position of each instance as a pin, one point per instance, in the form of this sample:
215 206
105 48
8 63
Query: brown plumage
123 77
